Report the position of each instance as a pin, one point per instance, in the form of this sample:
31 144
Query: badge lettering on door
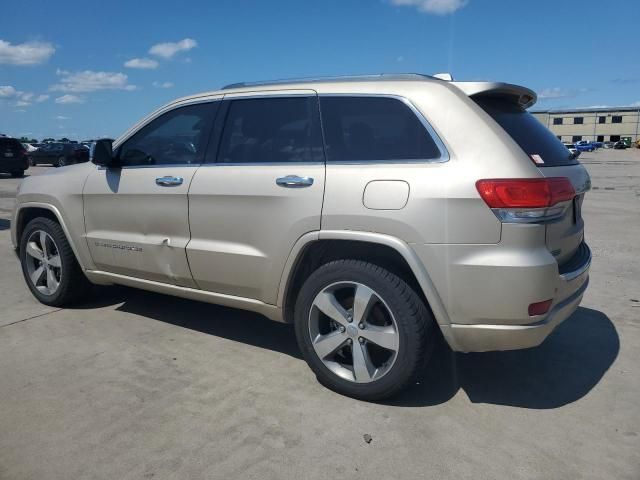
118 246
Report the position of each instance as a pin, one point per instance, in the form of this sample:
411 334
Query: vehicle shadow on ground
571 361
560 371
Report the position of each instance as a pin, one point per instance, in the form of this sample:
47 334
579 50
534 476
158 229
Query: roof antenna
444 76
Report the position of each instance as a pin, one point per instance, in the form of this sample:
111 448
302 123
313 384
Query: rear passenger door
261 194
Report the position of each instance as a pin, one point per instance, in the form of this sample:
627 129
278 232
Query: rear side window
374 129
271 130
531 135
10 144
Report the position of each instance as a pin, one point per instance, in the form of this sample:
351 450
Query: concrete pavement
135 385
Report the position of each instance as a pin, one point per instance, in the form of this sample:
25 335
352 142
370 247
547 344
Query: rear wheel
49 266
61 162
363 331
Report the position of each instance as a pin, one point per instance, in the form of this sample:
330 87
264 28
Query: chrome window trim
168 165
444 153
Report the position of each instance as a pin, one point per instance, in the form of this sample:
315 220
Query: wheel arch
317 248
26 212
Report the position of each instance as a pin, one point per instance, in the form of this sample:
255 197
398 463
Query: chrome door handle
294 181
169 181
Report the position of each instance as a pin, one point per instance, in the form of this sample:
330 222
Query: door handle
294 181
169 181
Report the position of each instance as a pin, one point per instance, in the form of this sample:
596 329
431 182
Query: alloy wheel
43 262
353 332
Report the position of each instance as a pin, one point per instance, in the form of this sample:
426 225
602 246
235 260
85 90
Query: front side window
178 137
271 130
374 129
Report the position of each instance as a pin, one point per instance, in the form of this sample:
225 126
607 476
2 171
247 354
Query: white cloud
636 104
28 53
7 91
162 84
26 96
22 103
437 7
90 81
61 117
555 92
42 98
169 49
144 63
66 99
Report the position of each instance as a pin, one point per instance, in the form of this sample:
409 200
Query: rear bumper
14 164
486 337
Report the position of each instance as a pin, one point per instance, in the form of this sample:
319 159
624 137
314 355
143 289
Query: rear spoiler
515 93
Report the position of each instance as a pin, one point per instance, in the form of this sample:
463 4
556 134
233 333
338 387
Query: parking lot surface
135 385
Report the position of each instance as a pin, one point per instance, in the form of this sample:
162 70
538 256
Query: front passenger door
137 215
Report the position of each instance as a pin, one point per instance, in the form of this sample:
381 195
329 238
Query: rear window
10 144
531 135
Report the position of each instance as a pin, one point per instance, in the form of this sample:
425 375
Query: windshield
529 133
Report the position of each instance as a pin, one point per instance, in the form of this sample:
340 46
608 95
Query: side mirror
103 153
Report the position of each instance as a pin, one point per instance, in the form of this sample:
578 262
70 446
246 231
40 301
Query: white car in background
572 148
29 148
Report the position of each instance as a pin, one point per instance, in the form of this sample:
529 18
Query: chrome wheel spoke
385 337
36 275
328 304
363 300
52 281
325 345
54 261
363 368
43 243
34 251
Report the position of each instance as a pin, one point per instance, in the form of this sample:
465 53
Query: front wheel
363 331
60 162
49 265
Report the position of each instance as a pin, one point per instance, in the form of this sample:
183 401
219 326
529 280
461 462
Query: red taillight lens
539 308
525 192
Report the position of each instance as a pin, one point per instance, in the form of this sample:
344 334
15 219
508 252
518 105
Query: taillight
526 199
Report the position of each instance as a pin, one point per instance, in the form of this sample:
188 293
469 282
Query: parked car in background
585 146
13 157
608 144
29 147
572 148
597 144
59 154
620 145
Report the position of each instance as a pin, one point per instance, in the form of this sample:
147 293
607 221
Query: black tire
74 285
17 174
61 162
414 321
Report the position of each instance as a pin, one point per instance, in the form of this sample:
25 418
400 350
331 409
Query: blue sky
85 69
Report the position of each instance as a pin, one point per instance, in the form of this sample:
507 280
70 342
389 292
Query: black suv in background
59 154
13 157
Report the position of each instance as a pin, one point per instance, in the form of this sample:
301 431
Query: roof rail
346 78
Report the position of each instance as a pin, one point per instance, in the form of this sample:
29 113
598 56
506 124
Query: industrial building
592 124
